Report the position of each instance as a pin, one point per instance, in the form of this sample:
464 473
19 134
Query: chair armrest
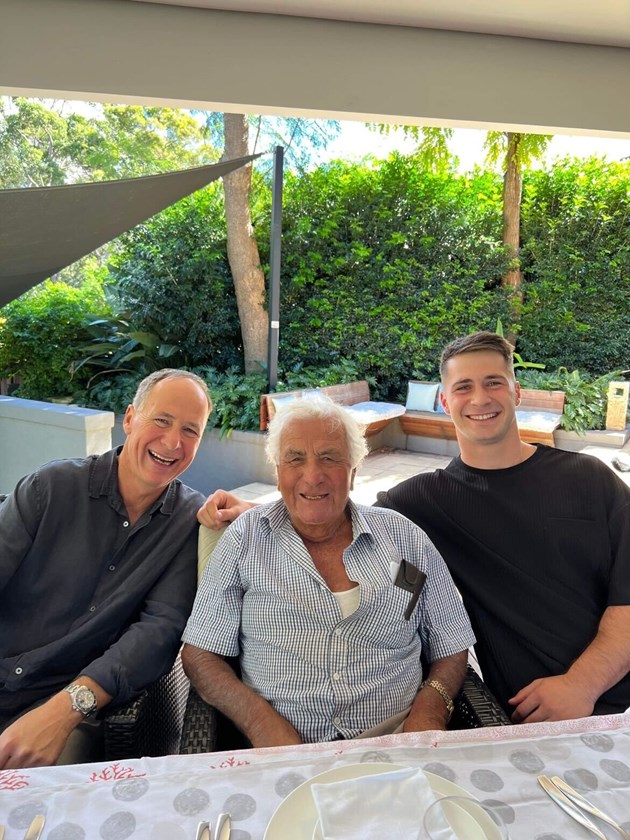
199 732
476 706
152 723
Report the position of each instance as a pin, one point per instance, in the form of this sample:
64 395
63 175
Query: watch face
84 699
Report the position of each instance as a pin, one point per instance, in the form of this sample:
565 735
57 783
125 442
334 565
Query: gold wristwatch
441 690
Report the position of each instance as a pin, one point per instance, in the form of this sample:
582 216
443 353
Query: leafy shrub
585 396
40 333
171 276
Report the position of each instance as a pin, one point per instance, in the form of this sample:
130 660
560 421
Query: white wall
34 432
119 50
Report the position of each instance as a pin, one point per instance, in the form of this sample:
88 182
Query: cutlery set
575 805
221 832
33 832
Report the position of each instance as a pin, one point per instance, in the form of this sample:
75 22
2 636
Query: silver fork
581 802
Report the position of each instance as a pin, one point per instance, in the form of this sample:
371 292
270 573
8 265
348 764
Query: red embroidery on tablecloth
230 762
113 772
13 780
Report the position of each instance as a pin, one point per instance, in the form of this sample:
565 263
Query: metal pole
274 268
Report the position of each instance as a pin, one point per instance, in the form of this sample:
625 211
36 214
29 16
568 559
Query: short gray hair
150 381
321 408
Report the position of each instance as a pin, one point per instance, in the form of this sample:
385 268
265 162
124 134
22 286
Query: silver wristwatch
83 698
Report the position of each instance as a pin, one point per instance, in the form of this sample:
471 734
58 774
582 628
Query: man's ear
352 475
129 414
443 401
517 391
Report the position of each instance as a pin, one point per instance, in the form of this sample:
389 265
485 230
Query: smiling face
315 477
163 436
481 395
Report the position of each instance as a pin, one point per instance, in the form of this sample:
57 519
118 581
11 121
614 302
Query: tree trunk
512 189
242 248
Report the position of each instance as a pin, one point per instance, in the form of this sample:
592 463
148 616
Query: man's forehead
481 363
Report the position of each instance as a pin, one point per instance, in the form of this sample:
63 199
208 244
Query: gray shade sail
43 230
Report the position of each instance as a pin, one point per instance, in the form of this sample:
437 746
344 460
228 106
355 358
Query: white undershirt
348 600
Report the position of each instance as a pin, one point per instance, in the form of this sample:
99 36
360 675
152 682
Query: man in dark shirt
98 573
537 540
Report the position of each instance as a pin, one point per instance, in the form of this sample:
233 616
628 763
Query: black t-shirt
538 551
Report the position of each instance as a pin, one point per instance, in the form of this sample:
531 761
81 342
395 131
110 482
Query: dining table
164 798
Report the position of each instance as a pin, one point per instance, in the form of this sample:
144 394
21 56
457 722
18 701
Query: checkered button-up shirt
262 597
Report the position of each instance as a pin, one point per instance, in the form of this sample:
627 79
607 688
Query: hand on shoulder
221 508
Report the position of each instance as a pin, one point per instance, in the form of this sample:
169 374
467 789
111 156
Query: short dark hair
475 342
152 379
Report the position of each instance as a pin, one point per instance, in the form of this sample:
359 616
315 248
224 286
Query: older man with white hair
329 605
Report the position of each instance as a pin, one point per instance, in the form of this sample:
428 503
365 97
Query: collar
103 481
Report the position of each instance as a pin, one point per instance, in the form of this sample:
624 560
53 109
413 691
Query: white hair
321 408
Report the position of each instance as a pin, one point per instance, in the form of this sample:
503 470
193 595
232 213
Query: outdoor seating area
538 414
354 396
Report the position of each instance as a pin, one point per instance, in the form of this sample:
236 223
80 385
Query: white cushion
538 421
421 396
370 412
281 401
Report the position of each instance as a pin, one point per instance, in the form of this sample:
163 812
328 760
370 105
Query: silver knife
565 803
581 802
224 827
33 832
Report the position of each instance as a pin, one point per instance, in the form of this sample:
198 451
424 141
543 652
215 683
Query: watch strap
441 690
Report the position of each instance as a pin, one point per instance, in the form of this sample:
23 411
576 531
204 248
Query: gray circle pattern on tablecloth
597 741
505 811
527 761
22 816
288 783
486 780
376 756
128 790
118 826
67 831
240 806
618 770
439 769
191 801
581 779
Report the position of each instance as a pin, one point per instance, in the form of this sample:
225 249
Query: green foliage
172 276
113 392
384 265
585 396
116 347
40 333
235 399
576 259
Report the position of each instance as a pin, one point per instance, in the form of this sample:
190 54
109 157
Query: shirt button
92 608
111 568
337 721
336 676
18 670
338 631
125 524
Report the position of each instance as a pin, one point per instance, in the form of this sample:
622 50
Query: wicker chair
207 730
152 723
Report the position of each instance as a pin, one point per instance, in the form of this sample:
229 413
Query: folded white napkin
381 805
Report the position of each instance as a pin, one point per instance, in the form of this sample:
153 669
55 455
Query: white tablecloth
164 798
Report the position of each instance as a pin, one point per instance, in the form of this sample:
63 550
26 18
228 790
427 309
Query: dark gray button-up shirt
84 592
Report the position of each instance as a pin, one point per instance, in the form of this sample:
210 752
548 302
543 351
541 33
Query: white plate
296 816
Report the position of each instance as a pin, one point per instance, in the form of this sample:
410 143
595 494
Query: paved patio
383 468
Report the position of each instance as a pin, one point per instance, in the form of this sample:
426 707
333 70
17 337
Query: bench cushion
422 396
371 412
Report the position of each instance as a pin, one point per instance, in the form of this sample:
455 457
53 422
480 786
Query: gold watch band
441 690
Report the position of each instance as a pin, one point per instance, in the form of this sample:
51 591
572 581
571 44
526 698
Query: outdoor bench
538 414
355 396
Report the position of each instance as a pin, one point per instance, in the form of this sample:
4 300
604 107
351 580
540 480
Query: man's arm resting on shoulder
221 508
218 685
37 738
429 710
574 694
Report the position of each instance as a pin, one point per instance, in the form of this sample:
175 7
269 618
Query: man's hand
220 509
552 698
38 737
